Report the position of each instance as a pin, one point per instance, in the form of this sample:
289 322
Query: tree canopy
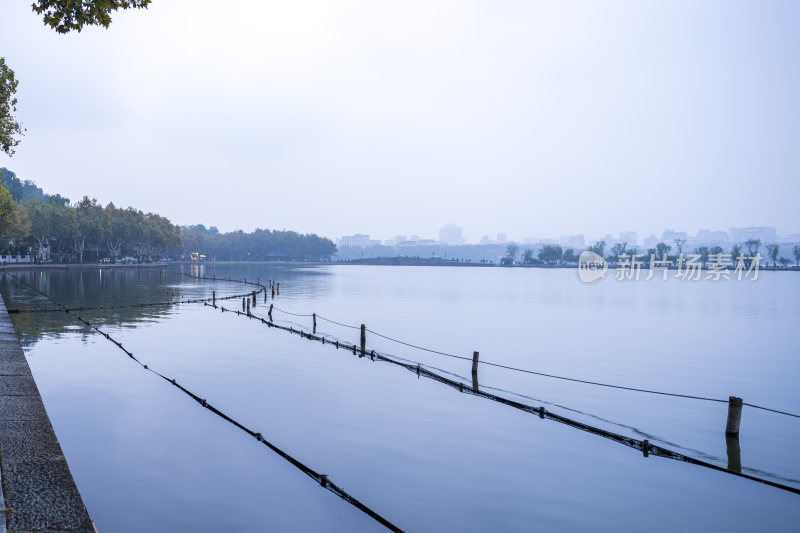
10 129
50 226
67 15
63 16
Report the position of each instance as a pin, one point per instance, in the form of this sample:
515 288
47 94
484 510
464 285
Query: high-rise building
502 237
651 242
576 242
357 240
766 234
451 235
708 237
628 237
669 236
394 241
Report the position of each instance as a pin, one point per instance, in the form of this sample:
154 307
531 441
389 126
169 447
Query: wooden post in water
734 415
265 295
363 339
279 288
254 298
734 453
314 315
243 304
248 307
475 371
214 297
273 292
270 312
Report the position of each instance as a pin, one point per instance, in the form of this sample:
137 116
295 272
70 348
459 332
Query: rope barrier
544 374
337 323
128 306
642 445
770 410
420 369
322 479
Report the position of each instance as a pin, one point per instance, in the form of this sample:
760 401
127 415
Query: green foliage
772 252
13 218
527 256
10 129
259 245
569 256
551 253
598 248
511 251
752 246
662 249
703 252
27 190
67 15
617 250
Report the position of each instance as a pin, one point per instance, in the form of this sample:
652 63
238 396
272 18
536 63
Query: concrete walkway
38 491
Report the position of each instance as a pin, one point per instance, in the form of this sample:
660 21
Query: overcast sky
531 118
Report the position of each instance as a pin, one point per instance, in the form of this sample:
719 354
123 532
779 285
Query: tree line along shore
46 228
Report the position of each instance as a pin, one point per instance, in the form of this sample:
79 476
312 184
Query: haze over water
418 452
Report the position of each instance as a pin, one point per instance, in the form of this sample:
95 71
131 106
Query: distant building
451 235
650 242
628 237
766 234
577 242
357 240
610 241
397 239
792 237
526 240
706 237
669 236
502 237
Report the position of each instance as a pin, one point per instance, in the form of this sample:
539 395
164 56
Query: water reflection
401 441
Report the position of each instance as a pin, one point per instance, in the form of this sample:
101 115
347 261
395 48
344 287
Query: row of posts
734 403
731 428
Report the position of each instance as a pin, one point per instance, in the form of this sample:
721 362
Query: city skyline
452 235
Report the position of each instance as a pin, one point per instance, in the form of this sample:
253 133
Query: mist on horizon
524 119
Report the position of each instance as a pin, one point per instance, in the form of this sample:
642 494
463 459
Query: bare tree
736 251
772 252
753 246
679 244
703 252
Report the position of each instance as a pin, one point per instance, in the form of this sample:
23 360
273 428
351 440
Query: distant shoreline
377 261
418 261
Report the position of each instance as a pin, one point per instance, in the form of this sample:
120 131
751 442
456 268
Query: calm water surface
148 458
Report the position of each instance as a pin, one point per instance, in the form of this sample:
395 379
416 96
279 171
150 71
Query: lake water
148 458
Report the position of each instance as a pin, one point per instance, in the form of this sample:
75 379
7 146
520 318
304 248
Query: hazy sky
531 118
